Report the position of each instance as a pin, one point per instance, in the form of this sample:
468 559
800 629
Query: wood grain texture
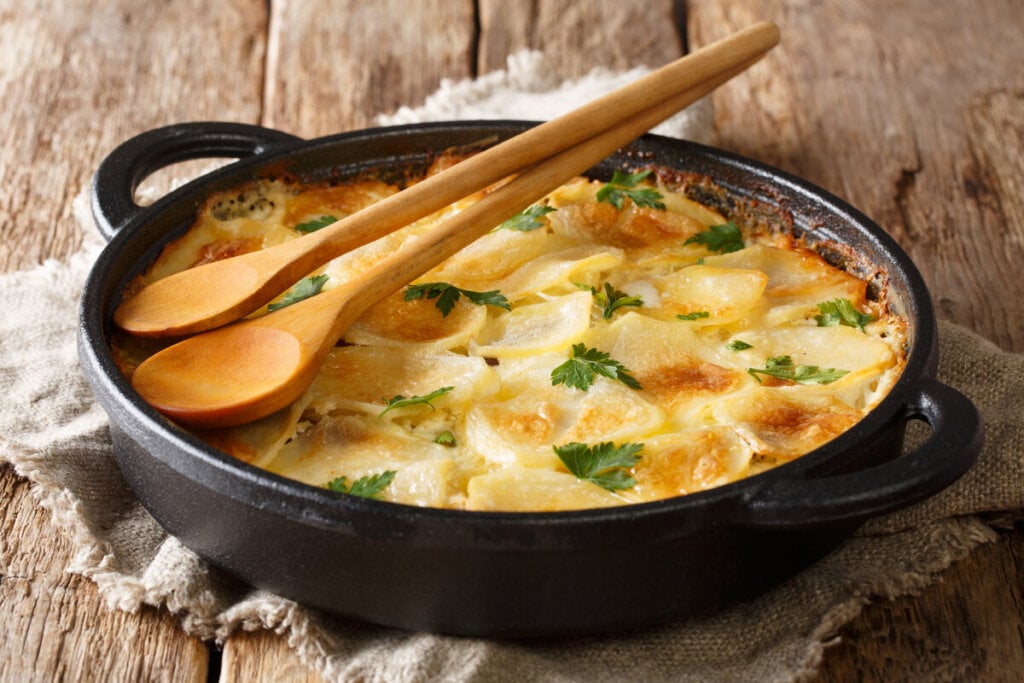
78 78
906 111
967 627
263 656
580 35
55 626
333 65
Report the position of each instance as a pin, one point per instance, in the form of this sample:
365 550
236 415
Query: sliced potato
523 489
711 295
361 378
795 273
537 328
354 446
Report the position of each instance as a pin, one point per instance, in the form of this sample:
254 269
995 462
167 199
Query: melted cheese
781 424
523 422
361 378
675 368
524 489
689 461
488 440
397 322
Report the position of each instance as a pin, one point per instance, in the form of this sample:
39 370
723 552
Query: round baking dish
497 574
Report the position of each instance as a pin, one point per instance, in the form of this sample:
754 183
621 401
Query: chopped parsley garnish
447 295
400 401
623 186
738 345
604 464
369 486
611 299
316 224
721 238
528 220
311 286
696 315
782 367
841 312
585 364
445 438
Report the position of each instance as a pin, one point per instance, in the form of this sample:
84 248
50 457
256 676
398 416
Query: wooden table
912 110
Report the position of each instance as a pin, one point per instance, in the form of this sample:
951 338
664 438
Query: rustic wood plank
885 104
55 626
333 65
75 80
263 656
894 107
940 635
992 185
580 35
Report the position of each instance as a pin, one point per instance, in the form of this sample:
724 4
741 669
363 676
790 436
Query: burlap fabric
53 433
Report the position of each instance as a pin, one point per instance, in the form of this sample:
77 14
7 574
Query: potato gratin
616 343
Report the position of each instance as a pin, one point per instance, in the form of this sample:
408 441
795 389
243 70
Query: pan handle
121 172
851 498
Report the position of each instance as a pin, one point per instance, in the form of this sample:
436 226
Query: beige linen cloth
53 433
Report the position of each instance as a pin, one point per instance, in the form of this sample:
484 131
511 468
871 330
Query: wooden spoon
251 369
208 296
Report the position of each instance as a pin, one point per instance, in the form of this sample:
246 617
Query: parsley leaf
400 401
582 367
311 286
447 295
696 315
528 220
369 486
604 464
611 299
782 367
316 224
841 312
738 345
622 186
721 238
445 438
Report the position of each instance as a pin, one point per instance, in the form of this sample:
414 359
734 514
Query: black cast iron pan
500 574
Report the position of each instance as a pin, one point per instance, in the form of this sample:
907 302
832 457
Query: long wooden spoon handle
235 287
545 140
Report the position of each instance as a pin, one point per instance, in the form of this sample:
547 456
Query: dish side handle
851 498
121 172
